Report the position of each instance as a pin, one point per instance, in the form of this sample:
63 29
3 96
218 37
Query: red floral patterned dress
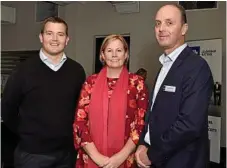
136 108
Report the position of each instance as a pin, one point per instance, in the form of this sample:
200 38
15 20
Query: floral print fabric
136 109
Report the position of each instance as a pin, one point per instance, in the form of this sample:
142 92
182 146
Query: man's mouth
54 44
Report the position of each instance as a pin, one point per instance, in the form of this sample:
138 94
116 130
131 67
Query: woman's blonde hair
110 38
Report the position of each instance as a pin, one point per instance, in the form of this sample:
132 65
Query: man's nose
54 37
161 27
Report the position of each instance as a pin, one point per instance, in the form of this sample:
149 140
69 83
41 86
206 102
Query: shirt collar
44 58
172 56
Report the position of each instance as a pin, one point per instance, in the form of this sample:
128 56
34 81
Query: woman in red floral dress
110 112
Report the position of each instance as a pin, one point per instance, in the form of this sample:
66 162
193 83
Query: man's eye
61 34
169 23
157 24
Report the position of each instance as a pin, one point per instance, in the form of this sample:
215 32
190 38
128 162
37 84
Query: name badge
169 88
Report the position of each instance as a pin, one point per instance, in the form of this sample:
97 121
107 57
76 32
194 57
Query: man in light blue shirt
176 132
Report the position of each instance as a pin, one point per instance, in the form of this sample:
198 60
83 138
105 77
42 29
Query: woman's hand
95 155
115 161
100 160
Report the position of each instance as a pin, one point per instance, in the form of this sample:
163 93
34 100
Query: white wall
99 18
24 34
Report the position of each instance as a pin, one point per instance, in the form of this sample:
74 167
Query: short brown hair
141 71
107 40
54 19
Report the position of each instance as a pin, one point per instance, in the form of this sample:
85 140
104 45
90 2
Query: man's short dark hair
141 71
54 19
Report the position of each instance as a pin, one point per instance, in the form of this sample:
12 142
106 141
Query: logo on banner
196 49
208 52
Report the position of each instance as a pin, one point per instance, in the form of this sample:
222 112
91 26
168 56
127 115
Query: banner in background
214 131
211 51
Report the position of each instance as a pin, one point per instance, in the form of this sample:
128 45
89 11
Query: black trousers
63 159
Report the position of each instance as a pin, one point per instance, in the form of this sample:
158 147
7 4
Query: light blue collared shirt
49 63
167 62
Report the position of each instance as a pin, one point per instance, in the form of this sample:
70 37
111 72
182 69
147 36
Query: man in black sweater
39 102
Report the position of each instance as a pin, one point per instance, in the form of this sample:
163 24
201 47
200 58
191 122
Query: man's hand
115 161
141 157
